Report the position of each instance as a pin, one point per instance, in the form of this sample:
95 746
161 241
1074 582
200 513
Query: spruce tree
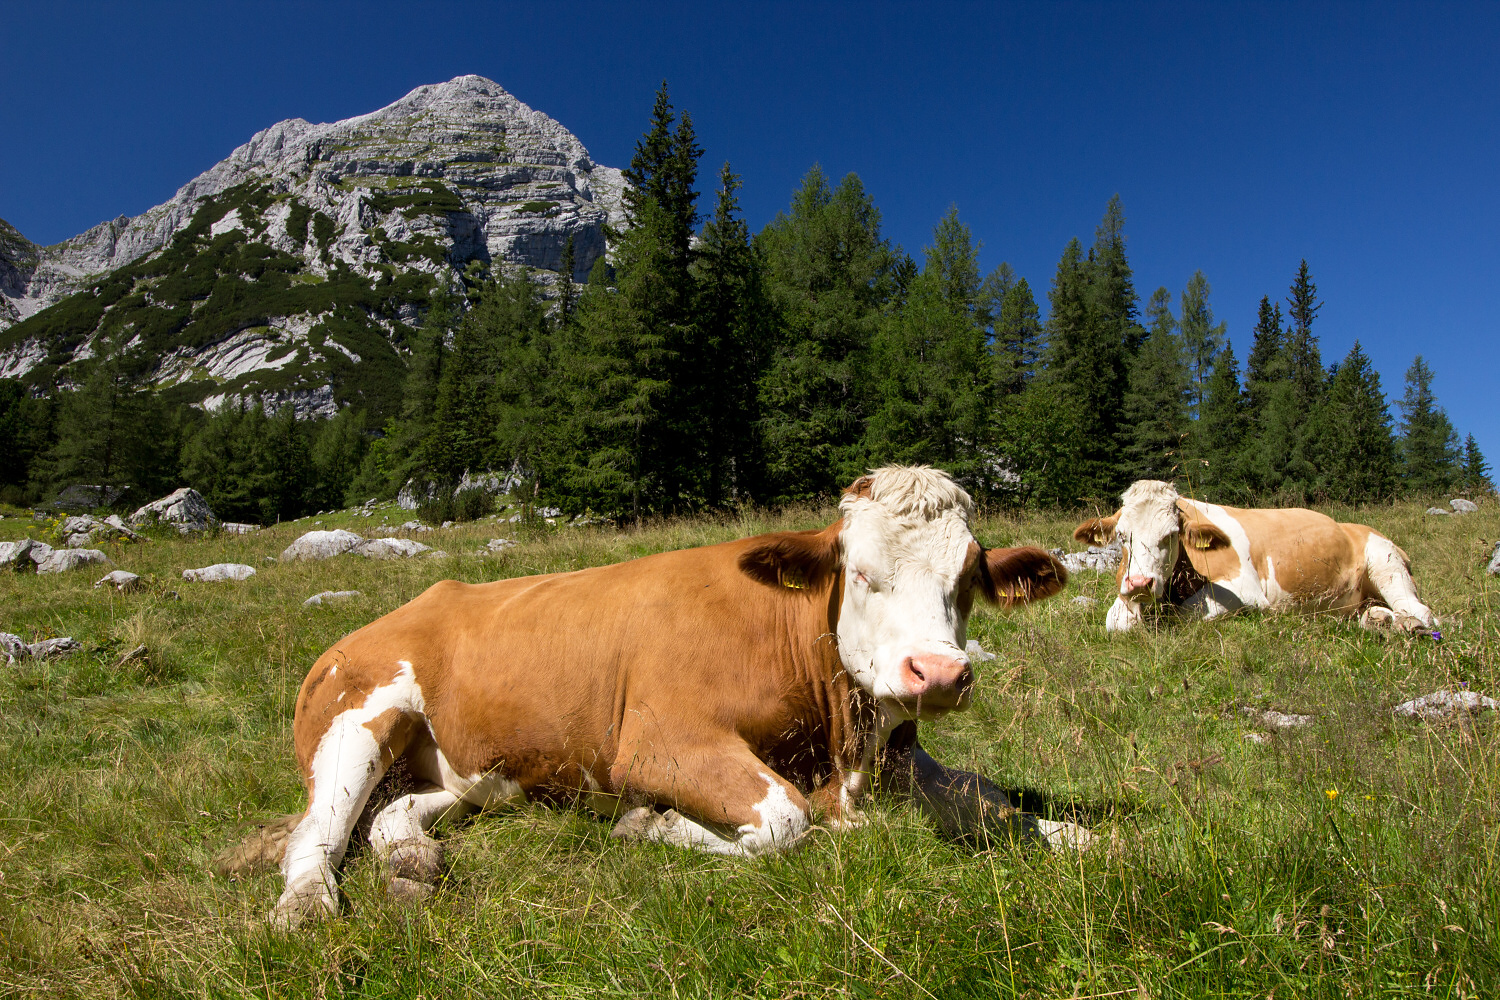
1156 404
1304 361
1357 453
1222 430
1476 471
1431 460
828 273
1019 339
931 372
1267 361
566 296
1201 338
731 315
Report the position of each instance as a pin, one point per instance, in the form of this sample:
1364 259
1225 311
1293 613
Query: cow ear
1016 576
1202 535
1097 531
792 559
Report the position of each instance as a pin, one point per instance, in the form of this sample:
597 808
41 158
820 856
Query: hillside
297 267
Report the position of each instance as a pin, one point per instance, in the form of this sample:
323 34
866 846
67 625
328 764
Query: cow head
1153 526
906 567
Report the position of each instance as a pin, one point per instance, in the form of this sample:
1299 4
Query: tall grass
1354 857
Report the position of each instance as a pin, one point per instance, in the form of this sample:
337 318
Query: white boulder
321 545
1462 506
1100 560
1272 719
14 648
1439 511
389 548
62 560
977 653
80 531
237 528
1444 704
120 580
185 509
1494 567
24 554
500 544
219 572
329 596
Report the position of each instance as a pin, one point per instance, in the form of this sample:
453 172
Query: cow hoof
419 860
1377 618
1065 835
848 820
637 824
409 892
302 905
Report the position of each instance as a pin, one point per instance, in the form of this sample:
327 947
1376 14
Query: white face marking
901 580
1149 528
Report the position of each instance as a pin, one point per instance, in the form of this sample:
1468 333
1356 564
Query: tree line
703 366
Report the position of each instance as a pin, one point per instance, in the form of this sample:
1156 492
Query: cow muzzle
937 681
1138 588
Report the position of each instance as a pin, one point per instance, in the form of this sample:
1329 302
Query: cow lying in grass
721 698
1212 560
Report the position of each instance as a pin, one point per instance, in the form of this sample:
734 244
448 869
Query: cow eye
860 578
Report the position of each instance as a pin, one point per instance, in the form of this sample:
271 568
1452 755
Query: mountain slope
297 267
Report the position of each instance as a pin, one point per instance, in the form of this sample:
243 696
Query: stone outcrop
82 530
1462 506
1445 704
121 580
63 560
185 509
1100 560
321 545
329 597
219 573
23 555
14 648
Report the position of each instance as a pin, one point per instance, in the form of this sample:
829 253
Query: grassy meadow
1356 857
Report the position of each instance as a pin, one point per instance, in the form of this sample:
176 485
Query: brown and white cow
731 694
1211 559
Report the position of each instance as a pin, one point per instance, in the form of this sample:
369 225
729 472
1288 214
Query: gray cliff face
523 184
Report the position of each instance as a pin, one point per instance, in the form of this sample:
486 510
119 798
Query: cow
1211 560
722 698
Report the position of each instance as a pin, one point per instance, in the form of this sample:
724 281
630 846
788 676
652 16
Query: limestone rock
62 560
389 548
1085 602
1272 719
1100 560
500 544
24 554
14 648
237 528
1493 569
1445 704
328 596
185 509
219 572
321 545
1462 506
80 531
120 580
1439 511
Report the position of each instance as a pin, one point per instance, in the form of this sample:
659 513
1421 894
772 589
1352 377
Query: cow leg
1387 571
965 805
348 764
723 801
399 836
1212 601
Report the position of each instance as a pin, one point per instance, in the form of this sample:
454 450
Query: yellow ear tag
1203 542
792 577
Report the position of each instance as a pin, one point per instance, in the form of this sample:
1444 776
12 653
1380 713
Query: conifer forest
703 366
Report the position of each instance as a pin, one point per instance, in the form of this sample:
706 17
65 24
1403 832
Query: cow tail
259 852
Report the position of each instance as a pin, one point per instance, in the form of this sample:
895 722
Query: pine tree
931 373
731 310
828 272
1019 340
1156 403
338 449
1201 338
1267 361
1220 435
1476 471
1304 362
282 482
1431 460
1357 453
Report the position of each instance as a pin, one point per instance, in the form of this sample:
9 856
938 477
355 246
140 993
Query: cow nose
929 672
1135 586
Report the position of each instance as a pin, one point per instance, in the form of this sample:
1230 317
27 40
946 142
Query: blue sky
1241 138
